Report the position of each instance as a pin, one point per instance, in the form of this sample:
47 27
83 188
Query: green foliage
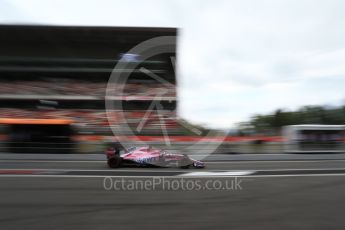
305 115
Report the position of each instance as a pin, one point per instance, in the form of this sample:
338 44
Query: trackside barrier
97 144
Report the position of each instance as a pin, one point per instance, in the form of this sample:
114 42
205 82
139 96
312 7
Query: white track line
162 170
97 170
297 175
173 177
216 174
52 161
270 161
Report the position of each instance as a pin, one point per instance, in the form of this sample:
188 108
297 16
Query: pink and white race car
149 157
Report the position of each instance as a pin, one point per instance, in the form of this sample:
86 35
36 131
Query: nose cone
199 164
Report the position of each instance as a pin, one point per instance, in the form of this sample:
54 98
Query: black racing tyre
185 167
115 162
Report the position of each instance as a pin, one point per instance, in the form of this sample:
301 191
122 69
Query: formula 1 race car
149 157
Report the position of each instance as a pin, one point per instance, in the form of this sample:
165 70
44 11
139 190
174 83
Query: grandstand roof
80 51
83 42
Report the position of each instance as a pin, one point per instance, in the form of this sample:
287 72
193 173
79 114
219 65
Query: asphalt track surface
233 192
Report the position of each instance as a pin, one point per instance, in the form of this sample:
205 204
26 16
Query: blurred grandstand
53 82
54 72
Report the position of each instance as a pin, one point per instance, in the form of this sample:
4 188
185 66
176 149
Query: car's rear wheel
115 162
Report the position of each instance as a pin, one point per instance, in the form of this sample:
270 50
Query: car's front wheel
185 163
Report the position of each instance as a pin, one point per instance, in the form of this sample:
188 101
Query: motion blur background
243 70
257 79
